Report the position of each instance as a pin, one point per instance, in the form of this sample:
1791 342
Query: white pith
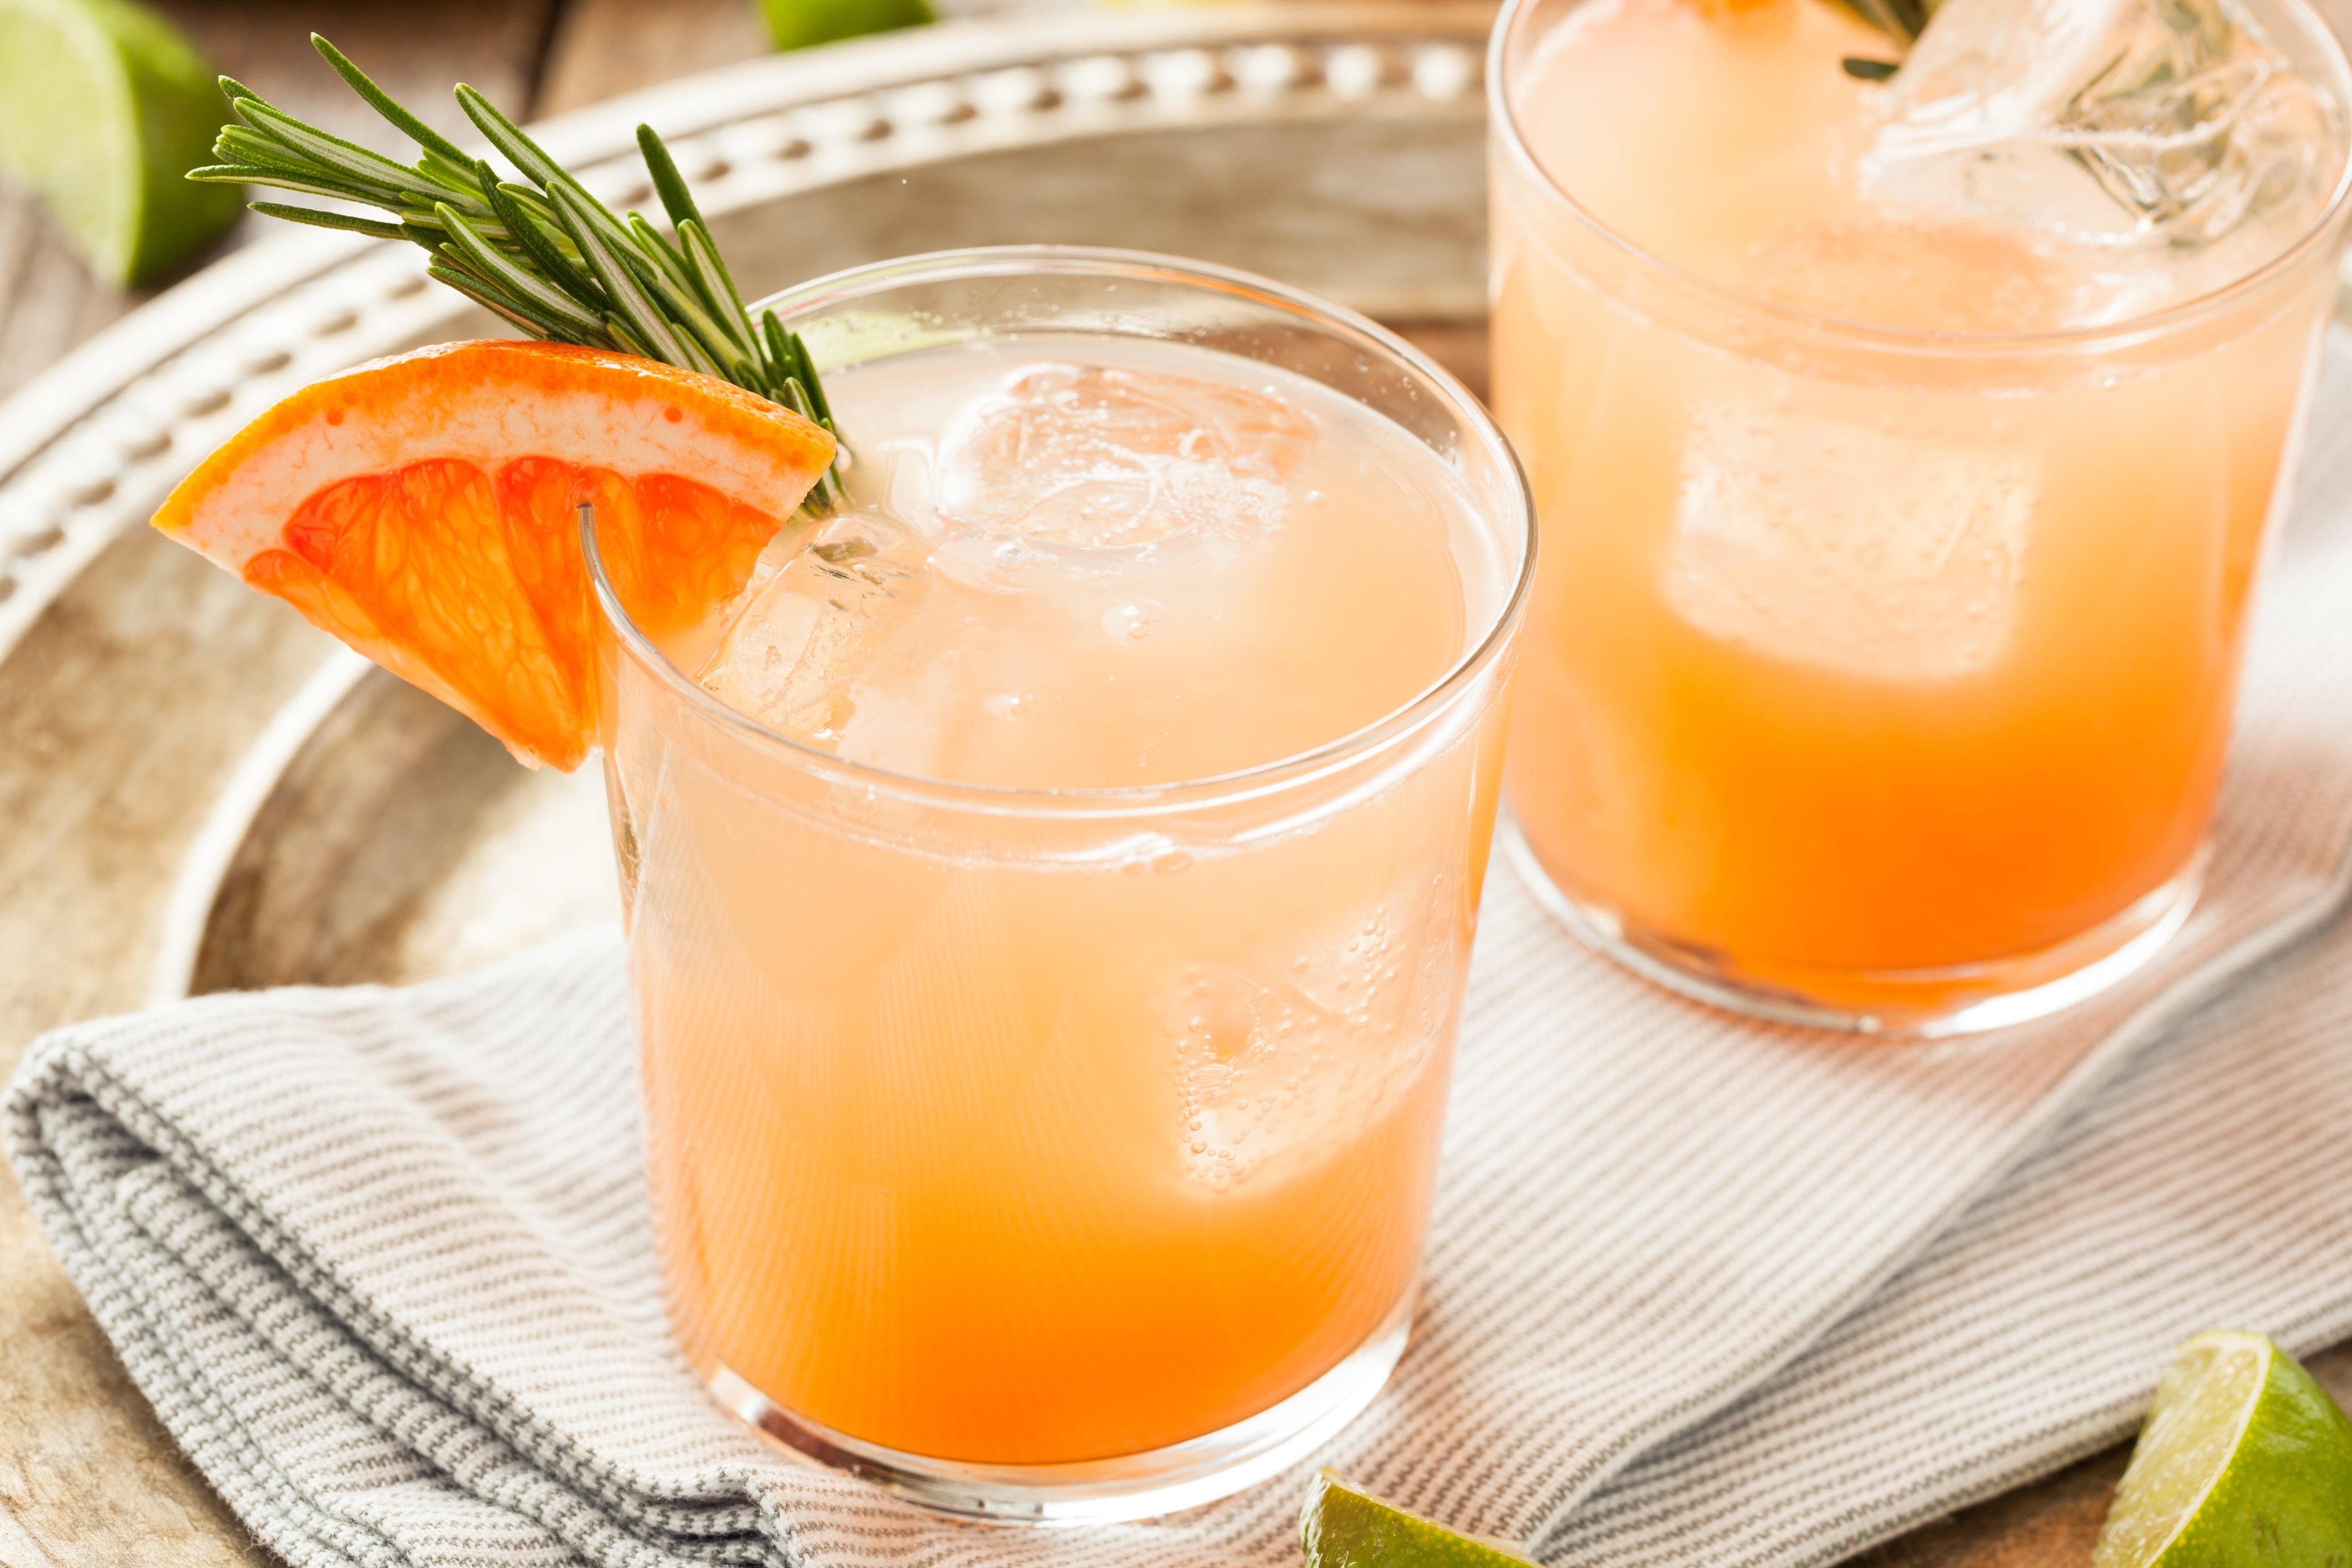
489 426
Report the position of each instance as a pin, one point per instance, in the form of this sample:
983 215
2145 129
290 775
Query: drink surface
1105 565
1018 1138
1733 143
1858 669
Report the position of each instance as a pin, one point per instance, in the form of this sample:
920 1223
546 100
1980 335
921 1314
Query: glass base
1099 1492
1917 1003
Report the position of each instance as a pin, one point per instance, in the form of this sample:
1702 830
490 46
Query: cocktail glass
1061 1154
1879 678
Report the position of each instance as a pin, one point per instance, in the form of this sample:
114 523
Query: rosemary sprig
1901 20
541 252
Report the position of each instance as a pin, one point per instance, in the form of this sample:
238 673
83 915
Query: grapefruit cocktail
1905 429
1050 883
1052 757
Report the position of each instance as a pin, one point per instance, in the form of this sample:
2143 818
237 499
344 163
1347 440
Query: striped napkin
1697 1291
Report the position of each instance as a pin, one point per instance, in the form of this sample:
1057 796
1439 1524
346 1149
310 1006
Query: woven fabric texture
1697 1291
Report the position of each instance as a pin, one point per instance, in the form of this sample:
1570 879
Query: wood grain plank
416 50
49 302
2053 1522
88 1474
88 1478
605 48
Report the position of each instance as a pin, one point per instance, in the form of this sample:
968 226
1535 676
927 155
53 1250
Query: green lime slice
1345 1527
104 107
796 23
2244 1460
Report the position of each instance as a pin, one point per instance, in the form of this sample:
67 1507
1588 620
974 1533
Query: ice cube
1281 1061
1849 549
808 627
2103 121
1099 458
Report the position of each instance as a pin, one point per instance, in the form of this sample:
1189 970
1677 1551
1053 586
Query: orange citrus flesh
423 509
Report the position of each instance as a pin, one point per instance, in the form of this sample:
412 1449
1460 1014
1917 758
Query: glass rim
1293 770
1504 131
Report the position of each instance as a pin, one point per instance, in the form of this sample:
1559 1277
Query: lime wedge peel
1343 1526
2244 1460
103 108
797 24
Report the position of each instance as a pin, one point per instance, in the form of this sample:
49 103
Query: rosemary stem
543 254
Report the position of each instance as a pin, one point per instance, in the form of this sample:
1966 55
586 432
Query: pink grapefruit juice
1010 1100
1893 588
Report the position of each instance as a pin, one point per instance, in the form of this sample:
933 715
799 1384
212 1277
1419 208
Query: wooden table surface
88 1478
533 57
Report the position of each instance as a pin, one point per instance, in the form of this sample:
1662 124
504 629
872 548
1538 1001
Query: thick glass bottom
1917 1004
1100 1491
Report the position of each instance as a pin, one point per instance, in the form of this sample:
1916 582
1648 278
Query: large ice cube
1843 548
1098 458
2106 122
809 628
1282 1061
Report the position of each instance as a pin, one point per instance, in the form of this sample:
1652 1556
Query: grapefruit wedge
423 508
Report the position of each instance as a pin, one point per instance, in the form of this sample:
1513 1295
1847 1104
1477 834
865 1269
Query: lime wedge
1345 1527
2244 1460
796 23
104 107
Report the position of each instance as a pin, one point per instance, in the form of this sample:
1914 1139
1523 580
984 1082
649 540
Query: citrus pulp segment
103 108
2243 1460
423 508
1343 1526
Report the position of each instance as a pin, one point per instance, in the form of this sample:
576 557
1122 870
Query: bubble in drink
1100 457
806 630
2102 121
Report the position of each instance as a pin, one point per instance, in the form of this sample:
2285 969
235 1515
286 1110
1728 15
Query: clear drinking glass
1879 678
939 1076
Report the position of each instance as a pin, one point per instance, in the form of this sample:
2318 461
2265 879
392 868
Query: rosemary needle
542 253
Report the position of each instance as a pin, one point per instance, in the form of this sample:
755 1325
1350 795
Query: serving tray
201 793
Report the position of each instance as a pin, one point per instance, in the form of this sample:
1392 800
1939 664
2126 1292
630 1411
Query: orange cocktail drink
1049 886
1904 476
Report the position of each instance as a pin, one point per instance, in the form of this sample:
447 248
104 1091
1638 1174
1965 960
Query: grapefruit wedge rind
423 508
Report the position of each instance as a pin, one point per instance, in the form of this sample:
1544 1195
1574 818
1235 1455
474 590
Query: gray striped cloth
1697 1291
